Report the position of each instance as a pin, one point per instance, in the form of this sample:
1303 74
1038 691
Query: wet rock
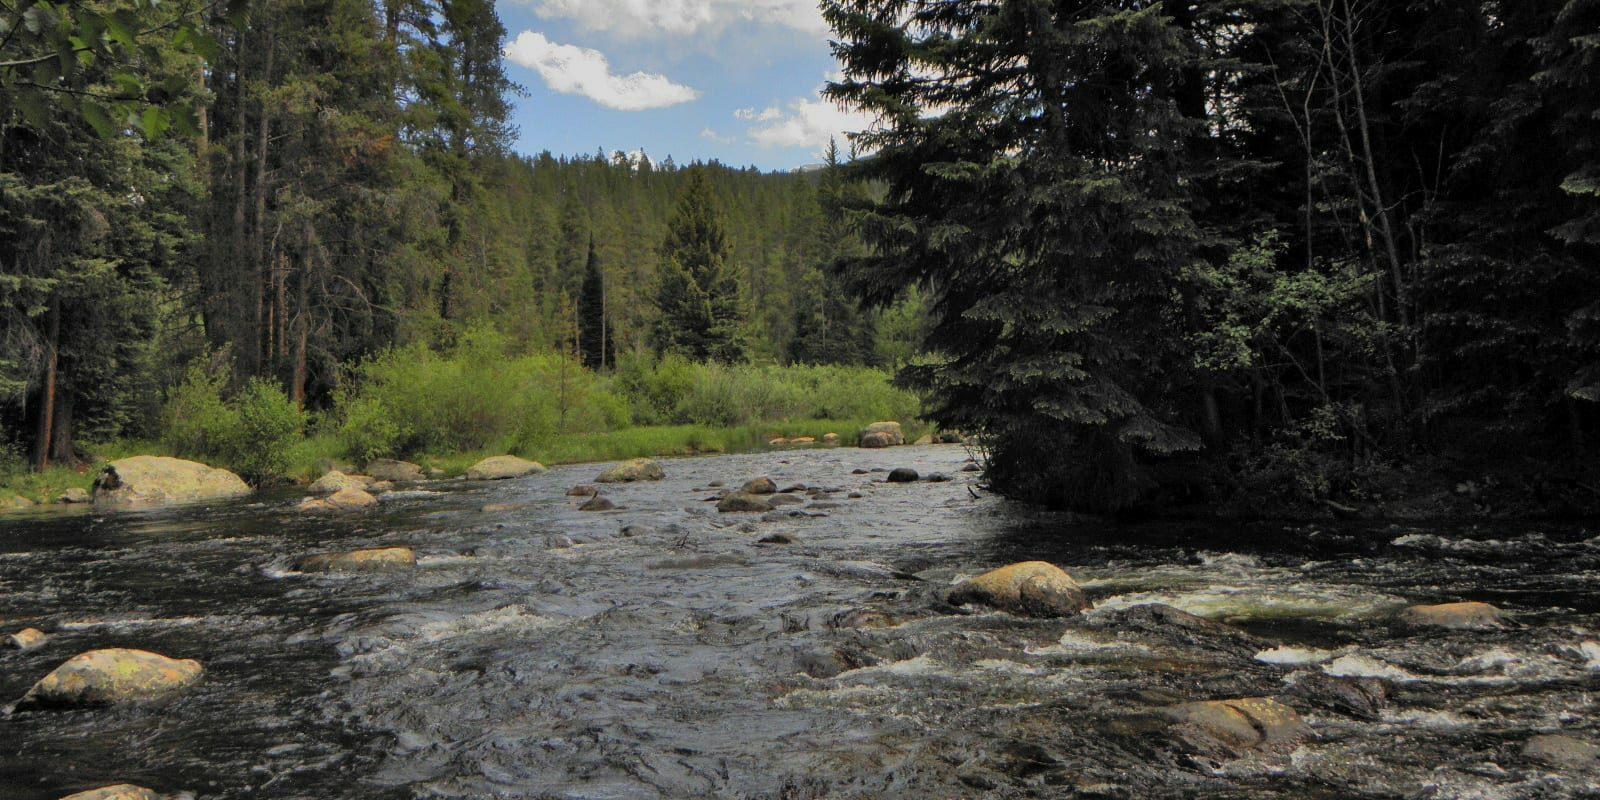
948 437
598 503
796 487
639 469
378 559
881 434
333 480
25 639
863 618
824 506
701 561
971 466
740 502
1228 728
74 496
938 477
858 471
1031 588
903 475
784 500
630 531
803 440
498 468
780 537
144 481
716 484
830 438
388 469
346 499
759 486
1456 616
1176 626
855 495
113 675
1561 752
1362 698
778 442
582 490
502 508
559 541
121 791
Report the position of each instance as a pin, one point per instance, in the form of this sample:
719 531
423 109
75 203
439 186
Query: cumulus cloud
709 134
579 70
648 19
807 122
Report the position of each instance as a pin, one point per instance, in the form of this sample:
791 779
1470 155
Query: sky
733 80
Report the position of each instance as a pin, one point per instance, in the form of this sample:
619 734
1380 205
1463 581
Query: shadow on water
661 651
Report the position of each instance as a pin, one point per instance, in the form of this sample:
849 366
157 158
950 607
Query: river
661 651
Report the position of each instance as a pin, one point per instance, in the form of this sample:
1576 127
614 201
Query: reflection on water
660 651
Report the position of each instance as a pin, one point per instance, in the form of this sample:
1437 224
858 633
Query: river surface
660 651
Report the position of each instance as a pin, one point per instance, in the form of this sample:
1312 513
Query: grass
44 487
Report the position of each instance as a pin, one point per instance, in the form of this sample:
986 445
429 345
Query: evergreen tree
594 338
699 296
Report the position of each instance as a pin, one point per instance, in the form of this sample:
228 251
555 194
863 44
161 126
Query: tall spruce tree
594 340
699 296
1042 212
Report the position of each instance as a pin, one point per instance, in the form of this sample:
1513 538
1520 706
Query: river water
660 651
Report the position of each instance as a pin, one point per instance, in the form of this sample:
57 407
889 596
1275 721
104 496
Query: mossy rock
113 675
499 468
639 469
380 559
145 481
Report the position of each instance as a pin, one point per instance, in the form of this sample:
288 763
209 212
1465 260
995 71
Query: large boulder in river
385 469
759 486
499 468
1458 616
346 499
122 791
1032 588
334 480
881 434
639 469
114 675
143 481
1228 728
380 559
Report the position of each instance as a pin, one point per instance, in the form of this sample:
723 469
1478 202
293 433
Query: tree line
1167 245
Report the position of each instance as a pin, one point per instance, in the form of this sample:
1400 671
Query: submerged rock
26 639
881 434
903 475
388 469
639 469
376 559
121 791
1176 626
759 486
597 503
1031 588
143 481
785 500
1232 727
502 508
113 675
1561 752
582 490
1362 698
334 480
781 537
1457 616
739 502
496 468
971 466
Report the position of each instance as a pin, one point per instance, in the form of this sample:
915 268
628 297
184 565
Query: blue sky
734 80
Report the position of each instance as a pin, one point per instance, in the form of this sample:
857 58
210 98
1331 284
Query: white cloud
707 133
808 122
650 19
579 70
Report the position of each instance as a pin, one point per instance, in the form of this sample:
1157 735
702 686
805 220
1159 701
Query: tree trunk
62 442
45 434
263 258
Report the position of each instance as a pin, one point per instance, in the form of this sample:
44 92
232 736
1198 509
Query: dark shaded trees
699 295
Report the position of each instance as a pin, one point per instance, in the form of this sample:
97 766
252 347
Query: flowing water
660 651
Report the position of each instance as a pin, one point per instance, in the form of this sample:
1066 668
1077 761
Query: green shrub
251 433
369 430
198 424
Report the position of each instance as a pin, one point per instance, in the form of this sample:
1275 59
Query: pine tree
593 337
699 296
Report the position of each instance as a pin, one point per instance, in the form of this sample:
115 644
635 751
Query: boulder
742 502
582 490
948 437
971 466
780 537
1031 588
378 559
778 442
334 480
144 481
830 438
1363 698
1232 727
346 499
759 486
881 434
938 477
902 475
122 791
75 495
785 500
497 468
14 503
803 440
597 503
1561 752
25 639
1456 616
926 440
387 469
639 469
114 675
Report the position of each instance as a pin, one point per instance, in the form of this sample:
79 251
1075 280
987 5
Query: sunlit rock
1232 727
743 502
1032 588
379 559
881 434
497 468
387 469
143 481
639 469
122 791
74 496
25 639
114 675
334 480
346 499
759 486
1458 616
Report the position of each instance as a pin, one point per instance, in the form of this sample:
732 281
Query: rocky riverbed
495 640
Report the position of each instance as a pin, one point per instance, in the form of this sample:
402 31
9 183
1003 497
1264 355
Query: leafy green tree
702 308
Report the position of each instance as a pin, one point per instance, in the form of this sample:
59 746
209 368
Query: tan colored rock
926 440
582 490
378 559
502 508
740 502
122 791
15 503
778 442
114 675
881 434
1032 588
388 469
26 639
759 486
1561 752
334 480
346 499
830 438
803 440
74 496
1238 725
144 481
1457 616
639 469
497 468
